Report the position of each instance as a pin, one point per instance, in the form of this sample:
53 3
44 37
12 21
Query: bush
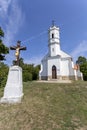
3 74
30 72
27 76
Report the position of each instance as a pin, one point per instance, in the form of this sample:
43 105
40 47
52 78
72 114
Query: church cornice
53 28
54 57
54 38
65 58
52 43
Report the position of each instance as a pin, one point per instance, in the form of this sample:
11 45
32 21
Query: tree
21 62
83 68
3 74
36 72
82 61
27 72
3 49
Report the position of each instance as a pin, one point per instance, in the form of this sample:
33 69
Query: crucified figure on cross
17 51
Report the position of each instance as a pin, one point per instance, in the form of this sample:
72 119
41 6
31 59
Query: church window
52 35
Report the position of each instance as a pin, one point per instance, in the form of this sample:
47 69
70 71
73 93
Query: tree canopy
3 74
82 61
3 49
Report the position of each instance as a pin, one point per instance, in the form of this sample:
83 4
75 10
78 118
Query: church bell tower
54 40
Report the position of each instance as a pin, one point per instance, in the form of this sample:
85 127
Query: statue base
14 87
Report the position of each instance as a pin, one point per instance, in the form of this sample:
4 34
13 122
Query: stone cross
17 52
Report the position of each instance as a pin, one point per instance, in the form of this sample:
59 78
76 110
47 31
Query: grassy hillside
47 106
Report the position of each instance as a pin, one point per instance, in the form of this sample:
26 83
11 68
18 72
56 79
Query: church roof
62 54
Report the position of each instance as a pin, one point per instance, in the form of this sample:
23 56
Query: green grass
47 106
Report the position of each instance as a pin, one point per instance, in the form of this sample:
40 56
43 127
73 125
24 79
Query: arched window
54 73
52 35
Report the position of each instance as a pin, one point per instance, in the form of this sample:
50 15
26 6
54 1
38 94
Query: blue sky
29 21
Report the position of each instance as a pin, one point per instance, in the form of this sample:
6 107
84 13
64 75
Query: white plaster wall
71 68
79 74
44 68
54 49
54 31
53 40
67 68
52 62
64 68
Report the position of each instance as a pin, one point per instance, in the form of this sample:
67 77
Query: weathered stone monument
13 91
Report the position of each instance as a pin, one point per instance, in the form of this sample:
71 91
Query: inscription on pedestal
14 73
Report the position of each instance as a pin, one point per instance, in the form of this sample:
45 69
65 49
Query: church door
54 75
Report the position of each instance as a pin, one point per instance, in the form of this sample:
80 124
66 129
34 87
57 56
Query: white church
56 64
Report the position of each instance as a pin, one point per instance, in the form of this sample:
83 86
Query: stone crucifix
17 51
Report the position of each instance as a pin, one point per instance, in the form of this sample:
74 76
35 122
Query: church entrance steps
54 81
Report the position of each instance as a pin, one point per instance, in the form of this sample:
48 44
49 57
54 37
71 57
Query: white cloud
80 50
13 19
4 4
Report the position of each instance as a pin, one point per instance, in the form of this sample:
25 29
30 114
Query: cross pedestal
13 91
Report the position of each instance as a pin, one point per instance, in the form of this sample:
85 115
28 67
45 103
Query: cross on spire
17 51
53 23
